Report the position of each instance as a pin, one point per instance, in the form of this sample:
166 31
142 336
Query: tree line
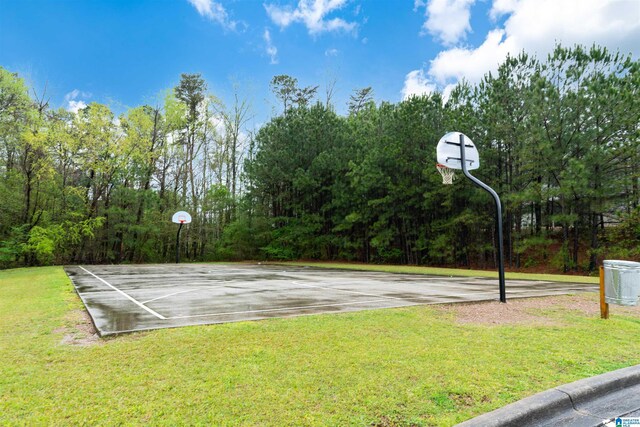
92 187
559 140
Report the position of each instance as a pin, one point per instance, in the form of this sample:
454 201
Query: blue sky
125 53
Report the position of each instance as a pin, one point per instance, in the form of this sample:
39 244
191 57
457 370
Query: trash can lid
616 263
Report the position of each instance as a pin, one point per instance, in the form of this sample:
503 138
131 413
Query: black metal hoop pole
503 293
178 245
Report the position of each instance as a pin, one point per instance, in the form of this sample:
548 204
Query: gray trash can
621 282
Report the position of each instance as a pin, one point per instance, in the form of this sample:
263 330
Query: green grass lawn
392 367
440 271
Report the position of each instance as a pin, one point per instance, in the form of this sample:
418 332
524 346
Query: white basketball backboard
181 217
448 151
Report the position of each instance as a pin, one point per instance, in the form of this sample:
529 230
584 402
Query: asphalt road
590 402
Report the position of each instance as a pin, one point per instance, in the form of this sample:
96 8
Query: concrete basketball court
131 298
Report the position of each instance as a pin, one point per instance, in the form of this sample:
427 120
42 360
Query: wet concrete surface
127 298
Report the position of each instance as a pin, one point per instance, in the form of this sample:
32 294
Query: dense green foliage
380 367
559 141
89 187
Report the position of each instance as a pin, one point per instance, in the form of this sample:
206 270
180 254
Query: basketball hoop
448 174
182 218
456 151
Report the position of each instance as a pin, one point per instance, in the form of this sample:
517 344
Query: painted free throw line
127 296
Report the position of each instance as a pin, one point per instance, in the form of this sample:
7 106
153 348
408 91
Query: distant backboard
181 217
448 151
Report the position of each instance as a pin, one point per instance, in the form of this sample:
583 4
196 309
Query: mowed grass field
413 366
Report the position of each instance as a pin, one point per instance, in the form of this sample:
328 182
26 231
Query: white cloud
272 51
472 64
215 12
416 84
72 95
75 94
535 26
73 103
218 124
331 52
75 106
312 13
502 7
611 23
447 20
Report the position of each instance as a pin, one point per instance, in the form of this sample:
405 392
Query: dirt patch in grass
79 331
531 311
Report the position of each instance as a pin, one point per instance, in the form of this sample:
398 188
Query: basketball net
448 174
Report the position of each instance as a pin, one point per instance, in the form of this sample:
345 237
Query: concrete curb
570 402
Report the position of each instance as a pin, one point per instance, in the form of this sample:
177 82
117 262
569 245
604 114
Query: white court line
130 298
453 295
170 295
206 288
276 309
535 292
428 296
438 285
344 290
